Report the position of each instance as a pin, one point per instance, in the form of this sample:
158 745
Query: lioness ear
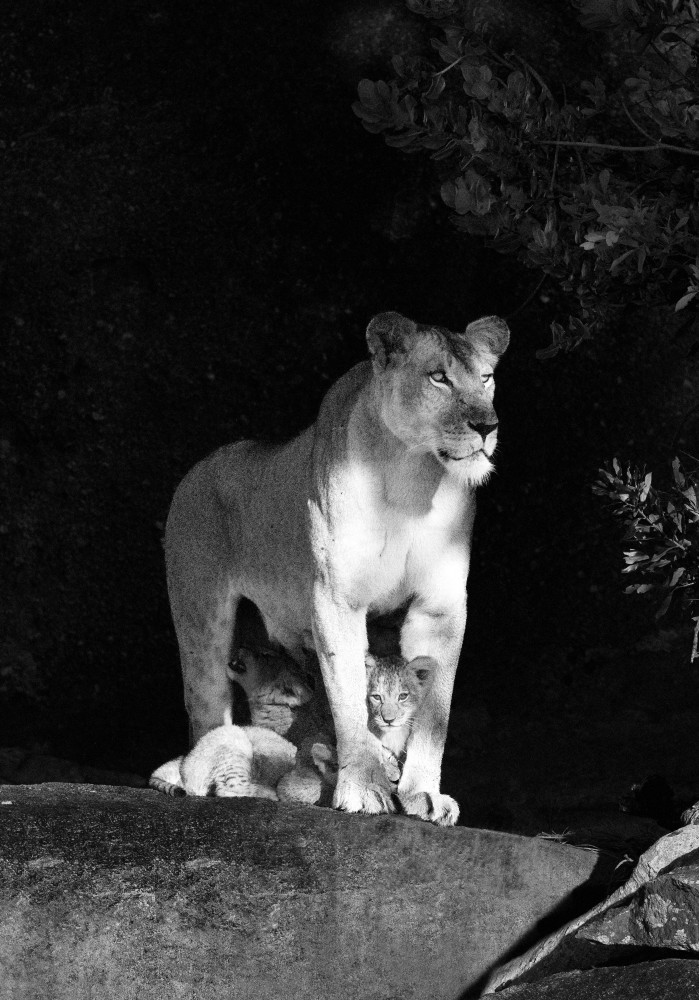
386 334
423 667
492 332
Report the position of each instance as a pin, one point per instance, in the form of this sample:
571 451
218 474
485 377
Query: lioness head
435 388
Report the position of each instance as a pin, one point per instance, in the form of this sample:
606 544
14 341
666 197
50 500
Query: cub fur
245 761
367 512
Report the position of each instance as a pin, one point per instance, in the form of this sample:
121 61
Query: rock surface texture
119 892
654 913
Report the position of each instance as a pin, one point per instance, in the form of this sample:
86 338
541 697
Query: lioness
367 511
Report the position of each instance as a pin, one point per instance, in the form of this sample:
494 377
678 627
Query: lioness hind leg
204 655
203 599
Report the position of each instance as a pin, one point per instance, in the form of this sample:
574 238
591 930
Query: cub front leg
438 634
341 641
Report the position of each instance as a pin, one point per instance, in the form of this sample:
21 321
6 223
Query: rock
666 979
22 767
656 909
120 892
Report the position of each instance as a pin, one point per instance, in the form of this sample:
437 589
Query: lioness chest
399 539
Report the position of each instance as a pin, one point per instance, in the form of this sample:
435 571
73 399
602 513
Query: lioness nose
483 429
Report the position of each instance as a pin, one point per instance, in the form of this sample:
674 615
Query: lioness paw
430 806
353 796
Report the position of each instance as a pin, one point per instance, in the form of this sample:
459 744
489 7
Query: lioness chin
367 511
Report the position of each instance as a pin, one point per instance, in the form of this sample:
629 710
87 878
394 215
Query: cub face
395 690
270 678
436 387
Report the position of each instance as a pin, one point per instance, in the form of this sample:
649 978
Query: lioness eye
485 379
402 696
439 378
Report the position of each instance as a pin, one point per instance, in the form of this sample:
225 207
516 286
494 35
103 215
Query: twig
555 164
542 83
446 69
635 124
620 149
528 299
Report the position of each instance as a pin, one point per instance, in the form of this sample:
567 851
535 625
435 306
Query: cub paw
430 806
357 795
391 765
301 785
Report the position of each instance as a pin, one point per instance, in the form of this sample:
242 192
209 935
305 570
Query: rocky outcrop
119 892
655 912
667 979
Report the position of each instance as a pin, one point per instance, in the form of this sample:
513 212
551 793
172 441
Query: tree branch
620 149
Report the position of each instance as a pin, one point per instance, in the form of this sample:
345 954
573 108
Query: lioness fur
367 511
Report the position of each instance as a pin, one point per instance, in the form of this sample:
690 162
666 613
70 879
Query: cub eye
439 378
403 696
376 698
487 379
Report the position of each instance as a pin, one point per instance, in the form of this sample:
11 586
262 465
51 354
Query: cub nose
483 429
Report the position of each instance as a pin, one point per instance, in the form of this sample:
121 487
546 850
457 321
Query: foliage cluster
592 182
662 527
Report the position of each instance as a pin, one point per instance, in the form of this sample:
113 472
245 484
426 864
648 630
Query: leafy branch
507 155
662 529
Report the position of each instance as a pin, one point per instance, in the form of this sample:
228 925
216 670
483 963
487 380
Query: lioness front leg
438 634
340 635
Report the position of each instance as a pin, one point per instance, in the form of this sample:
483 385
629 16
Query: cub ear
491 332
385 335
423 667
370 661
239 662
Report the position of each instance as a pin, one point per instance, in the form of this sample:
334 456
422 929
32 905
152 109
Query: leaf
435 88
690 494
547 352
686 299
677 576
678 477
646 487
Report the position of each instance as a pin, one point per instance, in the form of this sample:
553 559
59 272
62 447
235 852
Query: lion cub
248 761
395 691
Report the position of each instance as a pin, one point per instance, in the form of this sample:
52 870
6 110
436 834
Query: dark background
194 232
